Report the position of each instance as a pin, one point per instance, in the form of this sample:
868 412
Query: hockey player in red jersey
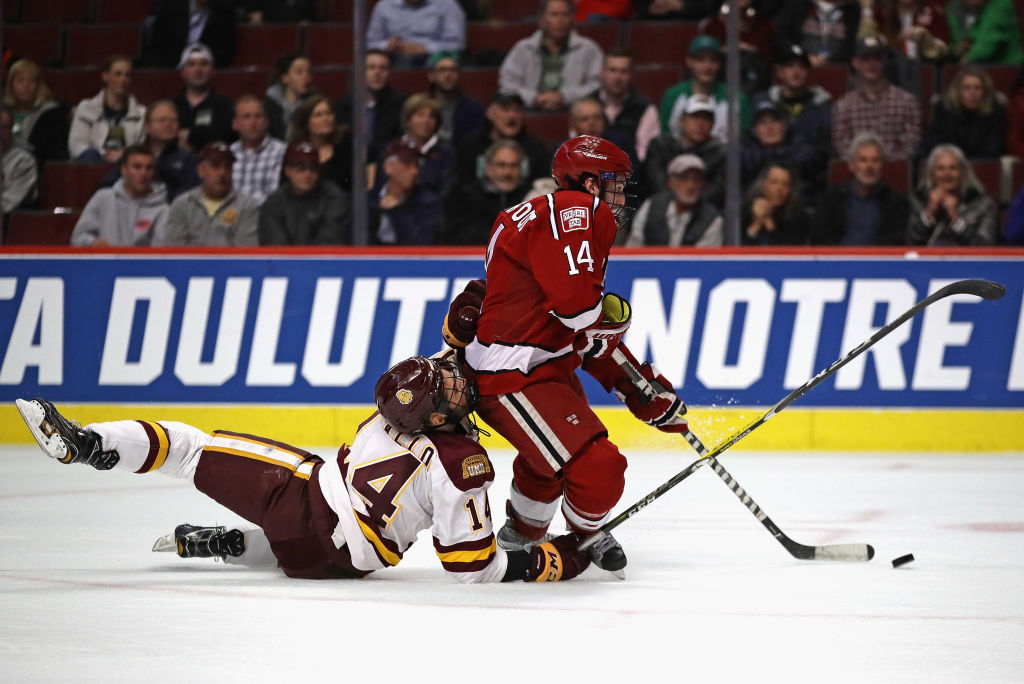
414 464
542 314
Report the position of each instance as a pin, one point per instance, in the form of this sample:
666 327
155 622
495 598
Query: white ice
710 596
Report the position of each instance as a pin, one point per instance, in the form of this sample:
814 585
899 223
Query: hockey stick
843 552
980 288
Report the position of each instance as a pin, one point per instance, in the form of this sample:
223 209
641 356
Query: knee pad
593 483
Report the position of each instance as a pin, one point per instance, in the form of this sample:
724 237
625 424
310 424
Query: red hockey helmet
587 155
412 390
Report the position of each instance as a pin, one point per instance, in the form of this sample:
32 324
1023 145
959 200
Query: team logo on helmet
404 396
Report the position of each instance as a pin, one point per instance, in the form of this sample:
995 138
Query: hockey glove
664 410
599 341
459 327
558 559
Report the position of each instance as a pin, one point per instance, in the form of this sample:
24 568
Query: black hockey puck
902 560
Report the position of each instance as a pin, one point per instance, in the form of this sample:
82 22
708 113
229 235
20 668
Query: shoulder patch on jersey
574 218
464 460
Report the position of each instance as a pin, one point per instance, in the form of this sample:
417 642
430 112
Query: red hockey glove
459 327
599 341
664 410
558 559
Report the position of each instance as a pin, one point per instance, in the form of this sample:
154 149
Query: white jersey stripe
537 429
581 320
496 358
265 452
551 215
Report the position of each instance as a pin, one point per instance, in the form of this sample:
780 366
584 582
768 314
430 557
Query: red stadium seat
329 44
928 74
149 85
39 42
513 11
652 82
341 10
606 35
410 81
119 10
496 37
479 83
57 11
261 44
70 184
244 81
332 81
895 173
552 128
41 228
74 85
835 78
92 44
657 42
990 174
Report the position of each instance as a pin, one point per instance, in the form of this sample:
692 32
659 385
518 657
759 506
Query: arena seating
70 184
41 227
260 45
92 44
329 44
39 42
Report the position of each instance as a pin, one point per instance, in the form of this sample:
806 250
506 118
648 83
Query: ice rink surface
710 596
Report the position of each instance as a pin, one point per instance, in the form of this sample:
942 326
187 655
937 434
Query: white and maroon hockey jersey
545 263
389 486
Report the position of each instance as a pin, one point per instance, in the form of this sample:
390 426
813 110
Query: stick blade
845 552
985 289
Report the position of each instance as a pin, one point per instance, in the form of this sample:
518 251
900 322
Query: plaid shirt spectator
257 172
894 116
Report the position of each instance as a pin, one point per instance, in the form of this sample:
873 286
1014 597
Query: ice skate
510 540
194 541
63 439
607 554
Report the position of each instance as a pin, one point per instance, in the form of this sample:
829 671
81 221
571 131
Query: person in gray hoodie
214 214
128 213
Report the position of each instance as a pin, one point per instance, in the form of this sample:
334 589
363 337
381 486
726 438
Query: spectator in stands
177 23
771 139
863 210
825 29
461 114
472 208
876 105
175 166
1013 231
505 117
628 113
586 117
669 10
971 114
19 175
305 210
403 212
129 213
291 85
704 65
258 157
1015 119
383 105
315 123
695 125
279 11
679 215
755 43
413 30
950 206
40 121
985 31
916 29
421 120
555 66
214 214
808 108
109 122
773 213
204 115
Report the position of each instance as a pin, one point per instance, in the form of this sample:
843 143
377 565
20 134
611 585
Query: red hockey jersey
546 263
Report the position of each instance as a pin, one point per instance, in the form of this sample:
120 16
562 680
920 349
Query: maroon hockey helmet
412 390
587 155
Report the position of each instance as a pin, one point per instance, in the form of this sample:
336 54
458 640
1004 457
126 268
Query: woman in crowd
314 122
950 207
971 114
421 121
40 121
291 85
773 213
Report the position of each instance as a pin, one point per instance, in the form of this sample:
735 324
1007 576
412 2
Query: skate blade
47 437
165 544
618 574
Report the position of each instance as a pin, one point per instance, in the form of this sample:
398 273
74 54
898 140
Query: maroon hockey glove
459 327
664 410
599 341
558 559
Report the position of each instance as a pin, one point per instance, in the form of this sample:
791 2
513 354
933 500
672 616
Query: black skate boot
607 554
193 541
511 539
63 439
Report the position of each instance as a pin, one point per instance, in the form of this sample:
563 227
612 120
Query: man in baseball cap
204 114
679 214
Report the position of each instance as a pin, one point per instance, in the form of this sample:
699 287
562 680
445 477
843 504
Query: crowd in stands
889 161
